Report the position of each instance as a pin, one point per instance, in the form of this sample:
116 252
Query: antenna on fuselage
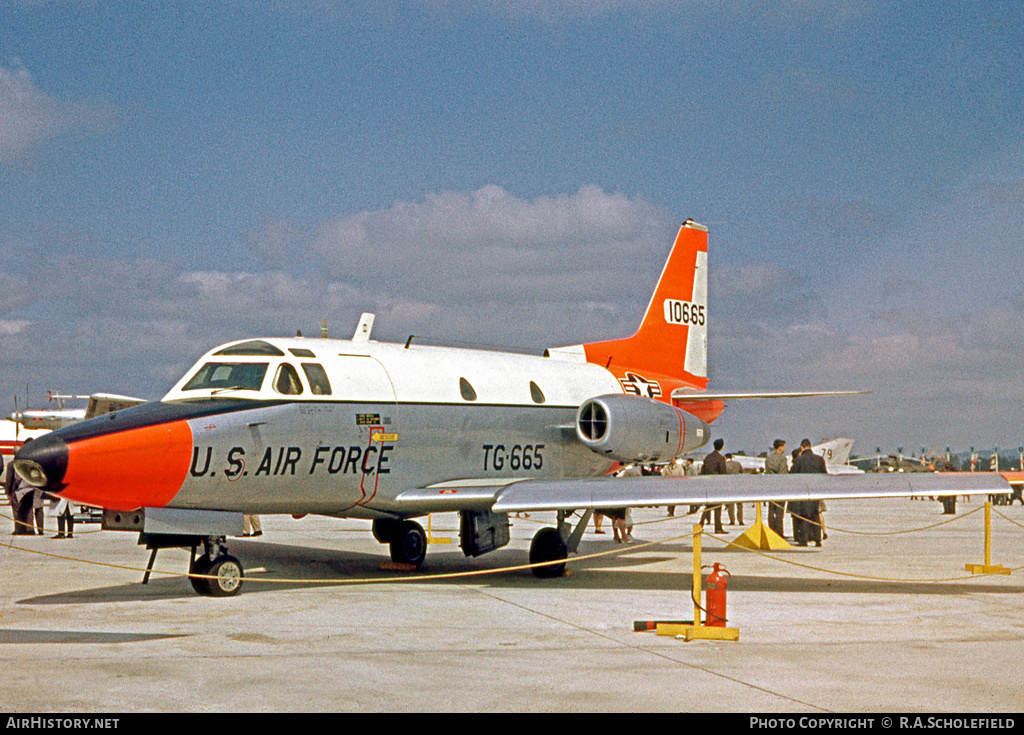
364 328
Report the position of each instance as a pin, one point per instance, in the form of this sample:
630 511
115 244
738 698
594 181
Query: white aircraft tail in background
835 451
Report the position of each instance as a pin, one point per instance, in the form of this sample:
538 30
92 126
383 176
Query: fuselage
334 427
346 427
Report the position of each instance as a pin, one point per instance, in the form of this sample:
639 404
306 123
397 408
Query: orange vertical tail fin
669 350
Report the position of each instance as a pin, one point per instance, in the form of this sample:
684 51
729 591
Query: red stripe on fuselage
138 468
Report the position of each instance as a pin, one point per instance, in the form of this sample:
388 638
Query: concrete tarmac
870 623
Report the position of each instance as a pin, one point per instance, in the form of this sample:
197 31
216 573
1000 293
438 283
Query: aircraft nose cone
43 463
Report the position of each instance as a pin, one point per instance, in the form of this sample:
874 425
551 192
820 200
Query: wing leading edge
613 492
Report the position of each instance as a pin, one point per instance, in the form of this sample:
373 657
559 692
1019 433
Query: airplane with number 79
389 432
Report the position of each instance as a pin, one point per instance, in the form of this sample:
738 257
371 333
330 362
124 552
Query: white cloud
29 116
12 326
488 245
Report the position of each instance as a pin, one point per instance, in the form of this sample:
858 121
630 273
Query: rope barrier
1005 518
32 527
417 578
897 533
850 574
618 550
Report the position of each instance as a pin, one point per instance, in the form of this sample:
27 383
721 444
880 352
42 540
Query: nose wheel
222 573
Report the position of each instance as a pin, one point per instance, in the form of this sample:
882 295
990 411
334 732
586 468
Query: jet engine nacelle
630 428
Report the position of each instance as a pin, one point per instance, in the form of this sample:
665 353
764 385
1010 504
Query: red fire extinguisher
716 584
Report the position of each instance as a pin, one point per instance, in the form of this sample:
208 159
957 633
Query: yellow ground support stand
759 536
698 630
987 567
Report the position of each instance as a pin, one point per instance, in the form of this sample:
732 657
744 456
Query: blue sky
177 175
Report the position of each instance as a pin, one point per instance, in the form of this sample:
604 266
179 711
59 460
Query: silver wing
617 492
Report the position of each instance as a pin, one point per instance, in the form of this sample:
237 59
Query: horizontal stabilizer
687 395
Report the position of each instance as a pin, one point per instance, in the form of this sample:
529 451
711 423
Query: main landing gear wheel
384 529
223 576
200 566
409 544
547 546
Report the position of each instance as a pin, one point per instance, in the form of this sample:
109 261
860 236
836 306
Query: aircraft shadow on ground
303 567
23 636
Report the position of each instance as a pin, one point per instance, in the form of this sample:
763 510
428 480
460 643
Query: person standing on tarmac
810 518
20 494
673 469
732 467
714 464
776 464
65 512
11 499
621 532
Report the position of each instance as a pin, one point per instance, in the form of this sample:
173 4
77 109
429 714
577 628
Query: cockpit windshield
228 376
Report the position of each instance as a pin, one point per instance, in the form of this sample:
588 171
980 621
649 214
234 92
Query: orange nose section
142 467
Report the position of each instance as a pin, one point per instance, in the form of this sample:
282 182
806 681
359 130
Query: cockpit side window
287 381
317 377
228 376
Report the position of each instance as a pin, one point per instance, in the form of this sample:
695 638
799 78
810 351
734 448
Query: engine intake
630 428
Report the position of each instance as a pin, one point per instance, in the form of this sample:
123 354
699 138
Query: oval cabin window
536 393
467 390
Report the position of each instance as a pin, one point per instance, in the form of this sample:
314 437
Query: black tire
409 544
200 566
548 546
384 529
228 574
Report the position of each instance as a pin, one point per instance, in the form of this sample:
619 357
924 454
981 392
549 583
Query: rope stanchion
988 567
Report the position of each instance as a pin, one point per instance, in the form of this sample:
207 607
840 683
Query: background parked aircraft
835 451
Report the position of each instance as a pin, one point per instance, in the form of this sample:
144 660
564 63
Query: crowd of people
806 514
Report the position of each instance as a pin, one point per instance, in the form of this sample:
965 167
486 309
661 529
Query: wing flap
613 492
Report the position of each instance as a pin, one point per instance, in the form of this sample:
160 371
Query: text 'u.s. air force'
279 461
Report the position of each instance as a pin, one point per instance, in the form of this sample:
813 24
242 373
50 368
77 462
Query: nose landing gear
221 573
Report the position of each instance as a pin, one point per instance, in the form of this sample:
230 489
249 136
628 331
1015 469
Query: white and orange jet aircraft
391 432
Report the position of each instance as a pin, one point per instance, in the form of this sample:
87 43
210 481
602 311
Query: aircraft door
370 427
